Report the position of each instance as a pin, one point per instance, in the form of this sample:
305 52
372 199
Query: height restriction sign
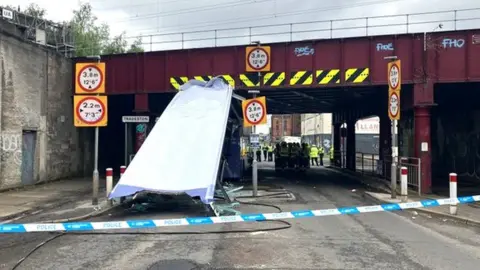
257 58
394 75
89 78
394 105
254 112
90 111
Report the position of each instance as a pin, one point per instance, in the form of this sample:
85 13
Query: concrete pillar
423 147
385 144
336 144
351 148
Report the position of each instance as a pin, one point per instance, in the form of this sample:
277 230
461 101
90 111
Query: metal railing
370 164
461 19
367 163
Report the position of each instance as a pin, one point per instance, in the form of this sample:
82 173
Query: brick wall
37 137
289 124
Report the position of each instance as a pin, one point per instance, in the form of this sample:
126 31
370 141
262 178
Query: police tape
144 224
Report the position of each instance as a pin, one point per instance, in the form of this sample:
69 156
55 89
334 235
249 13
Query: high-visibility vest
321 151
314 152
330 151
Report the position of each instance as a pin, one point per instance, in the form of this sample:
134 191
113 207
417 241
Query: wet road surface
401 240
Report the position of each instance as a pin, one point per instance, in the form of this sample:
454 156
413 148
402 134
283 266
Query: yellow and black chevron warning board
202 78
357 75
327 76
177 81
274 79
301 78
228 79
250 79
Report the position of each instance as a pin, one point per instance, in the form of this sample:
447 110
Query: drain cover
173 265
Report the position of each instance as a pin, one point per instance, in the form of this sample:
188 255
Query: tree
35 10
136 46
93 39
118 44
90 38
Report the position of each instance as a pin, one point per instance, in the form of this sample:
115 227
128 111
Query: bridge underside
319 100
449 130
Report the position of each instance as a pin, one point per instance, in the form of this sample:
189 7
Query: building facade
317 129
285 125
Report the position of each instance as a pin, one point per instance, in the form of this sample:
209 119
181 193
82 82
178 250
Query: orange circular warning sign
394 106
254 112
90 110
257 58
90 78
394 75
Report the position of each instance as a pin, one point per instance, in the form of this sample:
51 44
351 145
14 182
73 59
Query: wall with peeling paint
36 104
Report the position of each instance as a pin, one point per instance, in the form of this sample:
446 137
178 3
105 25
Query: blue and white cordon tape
143 224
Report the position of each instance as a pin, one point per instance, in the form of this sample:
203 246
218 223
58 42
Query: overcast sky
151 17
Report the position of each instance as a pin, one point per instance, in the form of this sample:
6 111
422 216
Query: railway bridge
344 76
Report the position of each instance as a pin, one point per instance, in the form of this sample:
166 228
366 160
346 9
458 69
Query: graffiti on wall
384 47
453 43
12 146
458 150
140 135
304 51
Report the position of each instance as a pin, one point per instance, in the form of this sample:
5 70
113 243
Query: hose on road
286 225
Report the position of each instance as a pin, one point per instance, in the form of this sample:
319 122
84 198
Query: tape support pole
144 224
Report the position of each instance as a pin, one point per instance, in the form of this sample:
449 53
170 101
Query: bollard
453 192
404 184
109 183
122 171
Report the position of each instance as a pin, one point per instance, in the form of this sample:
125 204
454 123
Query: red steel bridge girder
438 57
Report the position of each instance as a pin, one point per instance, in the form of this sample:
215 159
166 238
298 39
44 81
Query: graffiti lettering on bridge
12 146
453 43
385 47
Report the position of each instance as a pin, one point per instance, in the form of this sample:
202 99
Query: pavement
466 213
68 197
382 240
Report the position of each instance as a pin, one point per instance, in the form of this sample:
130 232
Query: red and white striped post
122 171
404 183
109 183
453 192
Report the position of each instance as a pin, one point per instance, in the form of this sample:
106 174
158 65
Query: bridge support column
423 146
351 151
141 108
385 144
336 144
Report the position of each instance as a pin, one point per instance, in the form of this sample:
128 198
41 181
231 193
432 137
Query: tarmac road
365 241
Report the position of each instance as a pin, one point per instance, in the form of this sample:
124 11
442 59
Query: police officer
270 153
321 153
314 155
265 150
284 154
330 152
258 153
305 159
